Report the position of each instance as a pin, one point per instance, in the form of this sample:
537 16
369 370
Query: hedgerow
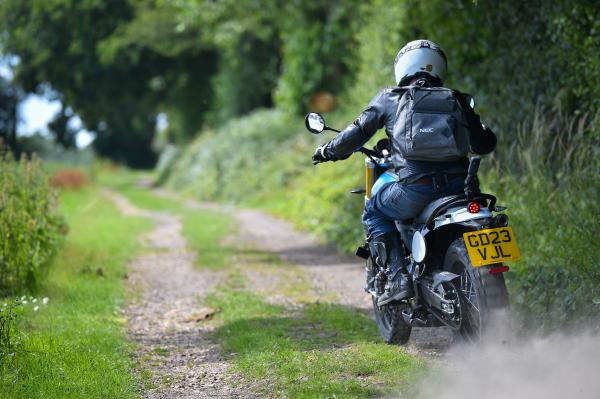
30 227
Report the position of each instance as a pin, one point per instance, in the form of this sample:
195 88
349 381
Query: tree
116 87
10 96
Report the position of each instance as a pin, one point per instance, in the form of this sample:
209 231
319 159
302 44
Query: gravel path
330 272
166 320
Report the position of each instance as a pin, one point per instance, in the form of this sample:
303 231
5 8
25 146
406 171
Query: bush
549 180
30 229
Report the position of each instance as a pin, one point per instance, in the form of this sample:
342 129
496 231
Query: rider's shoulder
385 93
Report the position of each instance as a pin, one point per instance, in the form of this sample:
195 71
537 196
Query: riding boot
389 256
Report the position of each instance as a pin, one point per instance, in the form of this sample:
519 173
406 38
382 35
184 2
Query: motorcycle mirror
315 123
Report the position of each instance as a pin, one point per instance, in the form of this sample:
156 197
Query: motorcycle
455 247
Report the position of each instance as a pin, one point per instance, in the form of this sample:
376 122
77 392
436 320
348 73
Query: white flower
24 302
45 300
23 298
34 300
36 308
5 304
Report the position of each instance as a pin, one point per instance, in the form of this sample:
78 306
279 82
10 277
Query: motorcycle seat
437 205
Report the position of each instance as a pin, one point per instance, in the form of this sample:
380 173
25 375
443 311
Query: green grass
205 232
76 346
321 350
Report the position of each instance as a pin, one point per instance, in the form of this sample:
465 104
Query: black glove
319 155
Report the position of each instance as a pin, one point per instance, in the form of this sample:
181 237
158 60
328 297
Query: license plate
491 246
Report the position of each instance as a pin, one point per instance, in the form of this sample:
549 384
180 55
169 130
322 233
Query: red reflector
499 269
473 207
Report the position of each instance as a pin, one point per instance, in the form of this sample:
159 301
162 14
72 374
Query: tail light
473 207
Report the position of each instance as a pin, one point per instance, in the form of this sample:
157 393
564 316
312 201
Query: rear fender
440 277
460 215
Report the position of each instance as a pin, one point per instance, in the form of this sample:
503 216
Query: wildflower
36 308
5 304
34 300
45 300
23 298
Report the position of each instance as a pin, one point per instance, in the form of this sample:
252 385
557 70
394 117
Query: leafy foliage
517 55
115 86
30 228
549 180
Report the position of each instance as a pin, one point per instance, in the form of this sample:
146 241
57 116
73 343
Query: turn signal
473 207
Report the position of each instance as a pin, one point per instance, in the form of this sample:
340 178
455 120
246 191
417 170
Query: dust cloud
560 365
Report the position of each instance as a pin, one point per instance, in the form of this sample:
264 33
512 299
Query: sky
36 111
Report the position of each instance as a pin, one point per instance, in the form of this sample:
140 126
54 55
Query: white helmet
420 56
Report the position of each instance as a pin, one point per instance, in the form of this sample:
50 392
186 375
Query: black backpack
431 125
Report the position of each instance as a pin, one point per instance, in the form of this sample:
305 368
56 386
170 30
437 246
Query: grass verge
76 347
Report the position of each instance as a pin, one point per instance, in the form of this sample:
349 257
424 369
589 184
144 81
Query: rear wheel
391 324
483 294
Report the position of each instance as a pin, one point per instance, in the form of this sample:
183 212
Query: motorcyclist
419 63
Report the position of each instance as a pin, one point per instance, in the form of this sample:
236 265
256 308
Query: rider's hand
319 155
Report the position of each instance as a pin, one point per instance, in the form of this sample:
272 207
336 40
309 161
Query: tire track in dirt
183 361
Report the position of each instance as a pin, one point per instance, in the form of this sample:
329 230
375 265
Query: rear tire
391 324
483 294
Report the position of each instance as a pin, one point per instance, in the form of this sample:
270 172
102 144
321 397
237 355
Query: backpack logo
428 130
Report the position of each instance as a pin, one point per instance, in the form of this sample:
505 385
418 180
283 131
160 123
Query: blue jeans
398 201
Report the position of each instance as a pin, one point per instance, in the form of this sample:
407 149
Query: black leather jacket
381 112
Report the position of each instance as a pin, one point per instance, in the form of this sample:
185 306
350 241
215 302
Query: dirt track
162 321
330 272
